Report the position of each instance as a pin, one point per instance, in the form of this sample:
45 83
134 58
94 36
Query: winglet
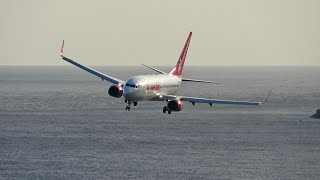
267 97
61 50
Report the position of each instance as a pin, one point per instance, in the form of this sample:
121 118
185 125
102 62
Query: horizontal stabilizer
157 70
183 79
197 80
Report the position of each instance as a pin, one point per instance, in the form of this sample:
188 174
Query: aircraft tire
164 109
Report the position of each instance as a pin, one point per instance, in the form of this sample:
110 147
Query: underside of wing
194 100
90 70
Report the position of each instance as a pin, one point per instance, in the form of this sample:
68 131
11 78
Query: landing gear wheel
169 112
164 109
128 108
135 103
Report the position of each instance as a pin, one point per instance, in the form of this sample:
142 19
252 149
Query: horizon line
39 65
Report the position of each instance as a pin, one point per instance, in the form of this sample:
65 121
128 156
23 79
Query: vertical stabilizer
177 71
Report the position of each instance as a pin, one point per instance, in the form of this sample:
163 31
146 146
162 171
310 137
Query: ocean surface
59 123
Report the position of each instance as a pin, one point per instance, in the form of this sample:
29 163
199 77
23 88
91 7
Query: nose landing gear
127 107
165 109
129 103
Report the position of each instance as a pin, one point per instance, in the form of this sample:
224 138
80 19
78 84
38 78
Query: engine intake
115 91
175 105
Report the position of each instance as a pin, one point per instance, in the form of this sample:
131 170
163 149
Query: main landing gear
129 103
165 110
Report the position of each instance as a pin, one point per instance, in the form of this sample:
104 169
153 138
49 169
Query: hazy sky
131 32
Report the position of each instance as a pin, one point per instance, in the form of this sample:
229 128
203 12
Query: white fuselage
149 87
162 87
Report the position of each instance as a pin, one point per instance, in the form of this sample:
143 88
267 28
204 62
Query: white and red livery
160 87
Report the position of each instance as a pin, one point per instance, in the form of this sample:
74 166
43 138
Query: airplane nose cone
128 96
132 94
128 93
131 90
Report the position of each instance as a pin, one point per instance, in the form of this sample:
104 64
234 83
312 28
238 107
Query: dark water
59 123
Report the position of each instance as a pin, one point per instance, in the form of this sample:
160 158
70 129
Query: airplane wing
194 100
90 70
183 79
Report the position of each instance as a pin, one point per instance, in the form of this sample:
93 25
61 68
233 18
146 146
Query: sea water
60 123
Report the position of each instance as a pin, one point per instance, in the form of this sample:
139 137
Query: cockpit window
133 85
130 85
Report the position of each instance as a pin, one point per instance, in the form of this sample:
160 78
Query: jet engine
175 105
115 91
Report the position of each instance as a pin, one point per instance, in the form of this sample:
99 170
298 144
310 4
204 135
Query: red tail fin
179 67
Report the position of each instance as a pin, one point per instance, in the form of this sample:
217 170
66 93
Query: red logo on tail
179 66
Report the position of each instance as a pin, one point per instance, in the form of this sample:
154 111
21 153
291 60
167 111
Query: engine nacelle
115 91
175 105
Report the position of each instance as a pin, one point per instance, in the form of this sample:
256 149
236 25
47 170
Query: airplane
160 87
